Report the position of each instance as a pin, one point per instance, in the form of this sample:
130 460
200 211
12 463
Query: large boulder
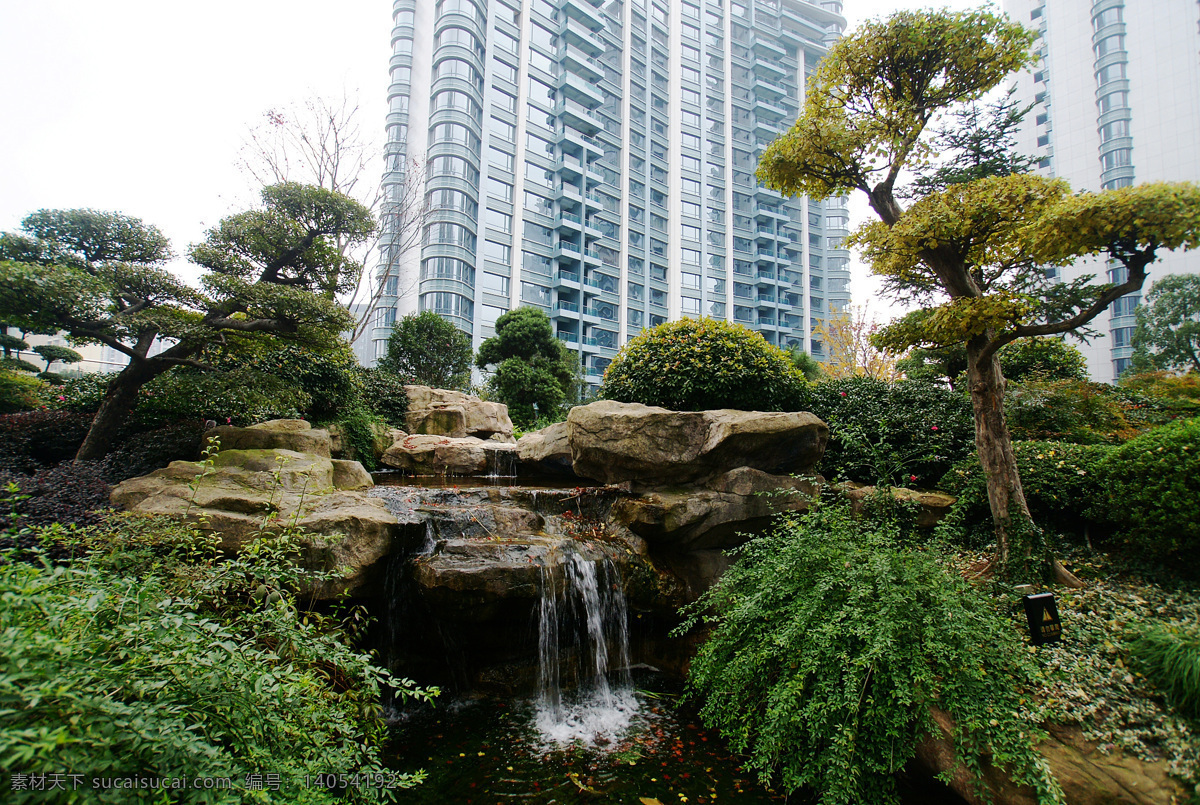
1088 775
547 451
930 507
247 493
282 434
441 412
732 505
444 455
616 442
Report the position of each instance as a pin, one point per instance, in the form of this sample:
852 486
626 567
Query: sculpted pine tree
272 272
976 252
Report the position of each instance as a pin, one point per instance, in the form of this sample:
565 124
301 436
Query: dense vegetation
832 639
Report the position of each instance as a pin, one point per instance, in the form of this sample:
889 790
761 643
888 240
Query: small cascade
584 688
502 465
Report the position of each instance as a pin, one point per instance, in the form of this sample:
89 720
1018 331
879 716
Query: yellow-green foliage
697 364
875 91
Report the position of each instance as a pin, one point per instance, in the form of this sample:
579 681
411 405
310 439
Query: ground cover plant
153 653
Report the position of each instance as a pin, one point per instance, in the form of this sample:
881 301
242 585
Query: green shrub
383 392
1062 483
156 656
1077 411
890 432
330 379
830 643
1151 488
428 350
1169 655
698 364
20 392
240 396
358 425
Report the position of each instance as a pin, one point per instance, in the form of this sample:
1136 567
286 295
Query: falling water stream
583 638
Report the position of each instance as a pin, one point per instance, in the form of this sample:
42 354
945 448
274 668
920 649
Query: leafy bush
73 493
1078 411
1169 655
910 432
240 396
35 439
1062 482
830 643
357 426
157 656
429 350
20 392
142 453
698 364
1171 396
1151 488
383 392
330 379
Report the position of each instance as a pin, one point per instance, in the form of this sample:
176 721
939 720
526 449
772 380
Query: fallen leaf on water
649 801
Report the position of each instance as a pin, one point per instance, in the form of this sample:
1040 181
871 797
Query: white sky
141 106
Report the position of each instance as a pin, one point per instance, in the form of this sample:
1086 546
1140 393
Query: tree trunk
1020 552
119 401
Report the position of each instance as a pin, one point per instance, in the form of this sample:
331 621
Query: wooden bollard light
1042 612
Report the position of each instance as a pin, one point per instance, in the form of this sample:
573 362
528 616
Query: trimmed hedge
698 364
1151 488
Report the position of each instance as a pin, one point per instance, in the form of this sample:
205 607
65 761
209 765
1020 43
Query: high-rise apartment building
597 160
1116 101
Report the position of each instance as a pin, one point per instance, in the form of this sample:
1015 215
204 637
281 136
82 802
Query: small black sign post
1042 612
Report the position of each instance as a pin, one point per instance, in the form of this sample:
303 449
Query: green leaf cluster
699 364
1167 335
1152 490
1169 654
155 655
886 433
1062 481
534 373
829 644
428 350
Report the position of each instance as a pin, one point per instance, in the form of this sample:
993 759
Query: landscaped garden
203 590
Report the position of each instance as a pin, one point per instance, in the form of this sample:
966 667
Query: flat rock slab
615 442
721 515
247 493
444 455
296 435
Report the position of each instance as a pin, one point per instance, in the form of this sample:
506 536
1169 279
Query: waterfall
502 464
584 689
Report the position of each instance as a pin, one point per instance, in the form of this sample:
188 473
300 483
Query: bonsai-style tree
427 349
53 352
1037 358
534 372
1167 335
974 252
271 272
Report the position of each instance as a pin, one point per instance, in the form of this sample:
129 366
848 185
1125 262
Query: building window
495 283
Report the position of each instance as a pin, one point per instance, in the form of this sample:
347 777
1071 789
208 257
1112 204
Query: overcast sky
141 106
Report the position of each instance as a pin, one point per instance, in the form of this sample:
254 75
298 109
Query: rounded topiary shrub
907 433
698 364
1151 488
1061 482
